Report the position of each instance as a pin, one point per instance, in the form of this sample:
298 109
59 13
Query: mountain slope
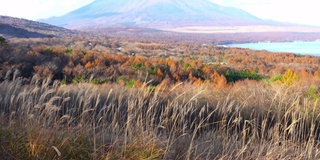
22 28
154 14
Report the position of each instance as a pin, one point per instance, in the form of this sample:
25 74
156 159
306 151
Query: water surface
306 48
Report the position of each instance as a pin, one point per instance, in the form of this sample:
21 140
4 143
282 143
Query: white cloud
37 9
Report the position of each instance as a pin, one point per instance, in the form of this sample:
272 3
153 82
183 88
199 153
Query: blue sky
296 11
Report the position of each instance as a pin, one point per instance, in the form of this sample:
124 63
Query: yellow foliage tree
289 77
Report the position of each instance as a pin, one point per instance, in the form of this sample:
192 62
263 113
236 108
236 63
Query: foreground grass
250 120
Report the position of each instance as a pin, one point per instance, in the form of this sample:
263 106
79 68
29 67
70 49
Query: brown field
244 29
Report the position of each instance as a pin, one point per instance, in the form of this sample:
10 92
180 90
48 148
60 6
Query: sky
39 9
294 11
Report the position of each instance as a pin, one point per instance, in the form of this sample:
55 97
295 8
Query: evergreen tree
3 41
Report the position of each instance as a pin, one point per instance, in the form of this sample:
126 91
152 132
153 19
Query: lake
309 48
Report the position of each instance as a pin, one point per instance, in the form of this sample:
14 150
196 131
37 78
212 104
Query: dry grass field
250 120
244 29
84 98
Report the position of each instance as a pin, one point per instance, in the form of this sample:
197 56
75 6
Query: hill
22 28
154 14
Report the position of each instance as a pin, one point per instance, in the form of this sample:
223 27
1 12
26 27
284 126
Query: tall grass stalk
250 120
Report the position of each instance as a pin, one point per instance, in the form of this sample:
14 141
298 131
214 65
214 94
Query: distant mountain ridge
22 28
154 14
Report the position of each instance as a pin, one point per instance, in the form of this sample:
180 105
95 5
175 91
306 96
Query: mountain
154 14
22 28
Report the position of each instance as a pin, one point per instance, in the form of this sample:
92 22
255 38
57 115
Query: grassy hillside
22 28
102 98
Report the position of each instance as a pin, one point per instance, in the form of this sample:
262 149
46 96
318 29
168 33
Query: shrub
313 93
3 41
152 70
233 76
69 50
289 77
78 79
130 83
275 78
136 66
98 82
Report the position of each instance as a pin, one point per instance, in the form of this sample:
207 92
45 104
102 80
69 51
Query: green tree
3 41
4 49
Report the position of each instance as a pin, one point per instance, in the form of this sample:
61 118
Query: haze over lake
307 48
